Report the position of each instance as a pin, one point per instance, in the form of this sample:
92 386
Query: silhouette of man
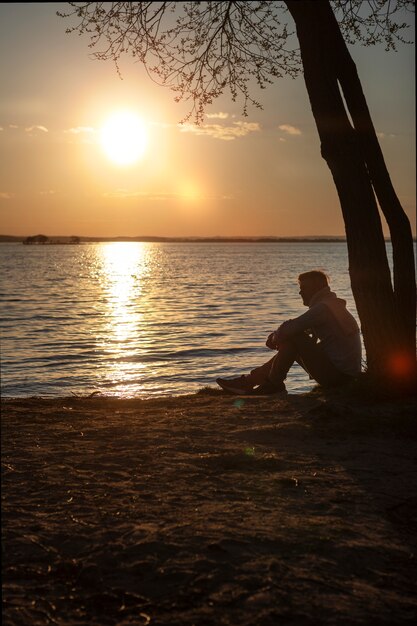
325 341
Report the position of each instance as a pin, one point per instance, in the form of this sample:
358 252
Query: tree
199 49
36 239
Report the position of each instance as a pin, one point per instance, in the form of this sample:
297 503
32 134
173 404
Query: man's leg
310 355
272 373
276 369
302 349
260 374
245 383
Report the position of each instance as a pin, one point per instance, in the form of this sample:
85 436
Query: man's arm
294 327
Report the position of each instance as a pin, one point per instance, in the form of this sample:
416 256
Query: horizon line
171 237
161 238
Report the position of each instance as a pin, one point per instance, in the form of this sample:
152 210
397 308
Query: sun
124 138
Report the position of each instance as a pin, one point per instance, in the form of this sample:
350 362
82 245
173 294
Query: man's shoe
269 388
239 386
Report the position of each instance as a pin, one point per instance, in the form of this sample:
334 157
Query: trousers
307 352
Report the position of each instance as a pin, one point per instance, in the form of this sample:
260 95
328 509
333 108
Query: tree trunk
357 166
399 225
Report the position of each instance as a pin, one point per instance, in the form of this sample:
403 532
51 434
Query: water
149 319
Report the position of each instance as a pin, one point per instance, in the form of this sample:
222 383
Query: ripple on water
149 318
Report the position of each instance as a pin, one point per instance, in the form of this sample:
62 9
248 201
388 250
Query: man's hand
271 342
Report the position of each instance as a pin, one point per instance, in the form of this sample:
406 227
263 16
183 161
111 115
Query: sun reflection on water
124 269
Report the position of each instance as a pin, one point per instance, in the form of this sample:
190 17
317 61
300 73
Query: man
325 341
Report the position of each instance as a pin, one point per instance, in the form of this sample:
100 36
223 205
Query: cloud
49 192
83 134
34 128
217 116
6 195
217 131
30 129
80 129
290 130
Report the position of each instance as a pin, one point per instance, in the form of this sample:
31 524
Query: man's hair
315 277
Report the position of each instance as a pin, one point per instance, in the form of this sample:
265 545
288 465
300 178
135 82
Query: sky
260 175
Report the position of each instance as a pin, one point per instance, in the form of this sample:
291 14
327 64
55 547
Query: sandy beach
209 509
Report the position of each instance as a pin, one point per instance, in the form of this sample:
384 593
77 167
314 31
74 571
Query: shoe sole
268 395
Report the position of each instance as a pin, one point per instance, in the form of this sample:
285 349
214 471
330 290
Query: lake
150 319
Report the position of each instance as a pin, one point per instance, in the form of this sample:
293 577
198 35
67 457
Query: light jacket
330 322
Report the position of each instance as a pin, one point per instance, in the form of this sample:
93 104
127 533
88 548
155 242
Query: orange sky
253 176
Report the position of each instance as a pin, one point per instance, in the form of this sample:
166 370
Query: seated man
325 341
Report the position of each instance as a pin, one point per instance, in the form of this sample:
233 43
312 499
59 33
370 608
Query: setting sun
124 138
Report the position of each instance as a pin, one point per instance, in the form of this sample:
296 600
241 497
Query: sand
208 510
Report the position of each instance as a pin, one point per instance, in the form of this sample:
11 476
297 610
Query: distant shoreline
60 239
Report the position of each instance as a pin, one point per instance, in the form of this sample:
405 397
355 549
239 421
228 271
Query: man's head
310 283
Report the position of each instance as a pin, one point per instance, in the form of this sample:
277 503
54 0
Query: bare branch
200 49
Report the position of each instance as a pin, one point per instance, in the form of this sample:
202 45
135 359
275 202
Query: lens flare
401 365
